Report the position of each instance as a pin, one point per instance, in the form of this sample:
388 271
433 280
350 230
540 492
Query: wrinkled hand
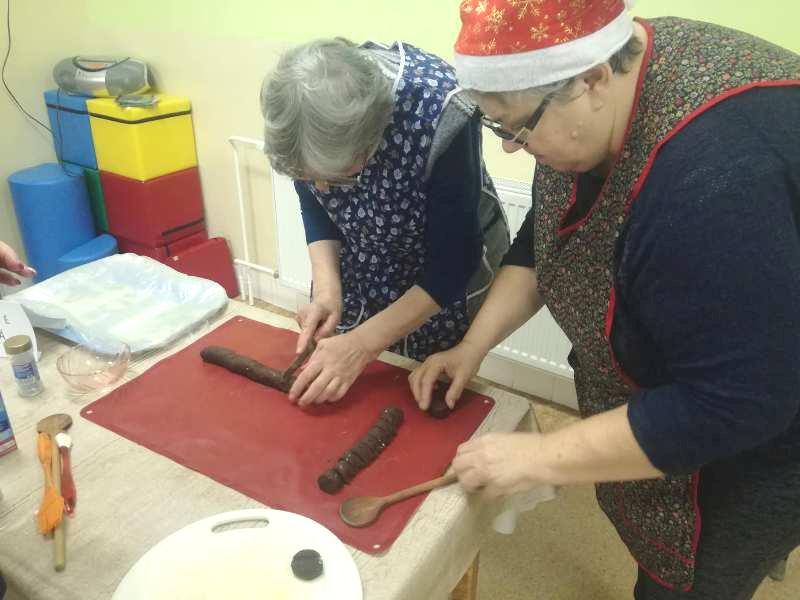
459 364
11 262
331 370
498 464
318 320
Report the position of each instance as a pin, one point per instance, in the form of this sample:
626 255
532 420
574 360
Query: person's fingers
343 388
8 279
455 390
315 389
471 480
459 462
8 258
328 328
413 383
490 492
467 447
428 381
309 325
307 375
20 268
329 393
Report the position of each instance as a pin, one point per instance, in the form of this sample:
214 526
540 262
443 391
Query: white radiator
540 343
532 359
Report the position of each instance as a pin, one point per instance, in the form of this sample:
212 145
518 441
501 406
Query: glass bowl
92 367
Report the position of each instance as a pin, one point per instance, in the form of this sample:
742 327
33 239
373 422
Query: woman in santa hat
403 224
664 239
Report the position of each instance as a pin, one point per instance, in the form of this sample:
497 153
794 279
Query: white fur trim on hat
511 72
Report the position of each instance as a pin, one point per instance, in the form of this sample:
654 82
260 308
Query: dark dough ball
330 482
307 565
438 408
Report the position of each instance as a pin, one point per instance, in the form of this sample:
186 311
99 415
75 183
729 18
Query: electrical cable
3 70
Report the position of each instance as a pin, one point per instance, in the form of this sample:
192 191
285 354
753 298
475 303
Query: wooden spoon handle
420 488
59 541
67 483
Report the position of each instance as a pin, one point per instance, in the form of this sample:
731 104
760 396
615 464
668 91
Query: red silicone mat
252 439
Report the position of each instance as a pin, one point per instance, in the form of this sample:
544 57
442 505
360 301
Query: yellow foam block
143 142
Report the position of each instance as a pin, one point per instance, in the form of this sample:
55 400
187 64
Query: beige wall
216 53
22 144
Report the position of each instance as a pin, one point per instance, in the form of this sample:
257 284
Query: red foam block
155 212
210 259
162 253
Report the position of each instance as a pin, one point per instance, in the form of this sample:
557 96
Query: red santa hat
507 45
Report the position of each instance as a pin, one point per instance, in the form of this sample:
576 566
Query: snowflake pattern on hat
492 27
507 45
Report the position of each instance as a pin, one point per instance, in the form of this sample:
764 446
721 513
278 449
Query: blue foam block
100 247
53 213
72 134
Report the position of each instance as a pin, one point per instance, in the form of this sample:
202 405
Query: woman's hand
460 364
331 370
499 464
318 320
11 262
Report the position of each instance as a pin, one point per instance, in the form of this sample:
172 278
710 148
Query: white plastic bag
126 298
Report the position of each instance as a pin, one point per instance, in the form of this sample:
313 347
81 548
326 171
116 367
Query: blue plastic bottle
7 440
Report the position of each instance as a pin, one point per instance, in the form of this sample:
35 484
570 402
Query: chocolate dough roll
244 365
363 452
252 369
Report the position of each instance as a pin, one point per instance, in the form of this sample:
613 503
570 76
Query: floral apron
383 218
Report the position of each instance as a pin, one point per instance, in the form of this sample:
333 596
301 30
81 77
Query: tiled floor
567 550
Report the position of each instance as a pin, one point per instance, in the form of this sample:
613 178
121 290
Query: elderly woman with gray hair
403 225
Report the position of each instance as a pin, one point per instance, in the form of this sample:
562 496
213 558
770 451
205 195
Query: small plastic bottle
7 440
26 373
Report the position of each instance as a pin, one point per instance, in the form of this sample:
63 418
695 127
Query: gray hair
325 107
620 62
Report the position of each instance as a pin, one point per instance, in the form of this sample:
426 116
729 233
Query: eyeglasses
527 128
331 182
343 180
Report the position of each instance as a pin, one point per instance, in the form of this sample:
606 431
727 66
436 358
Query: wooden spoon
53 425
364 510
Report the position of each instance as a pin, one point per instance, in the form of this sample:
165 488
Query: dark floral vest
688 67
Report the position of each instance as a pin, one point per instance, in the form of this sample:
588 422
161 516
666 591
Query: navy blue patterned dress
382 219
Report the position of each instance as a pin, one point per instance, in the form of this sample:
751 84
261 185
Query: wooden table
129 498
